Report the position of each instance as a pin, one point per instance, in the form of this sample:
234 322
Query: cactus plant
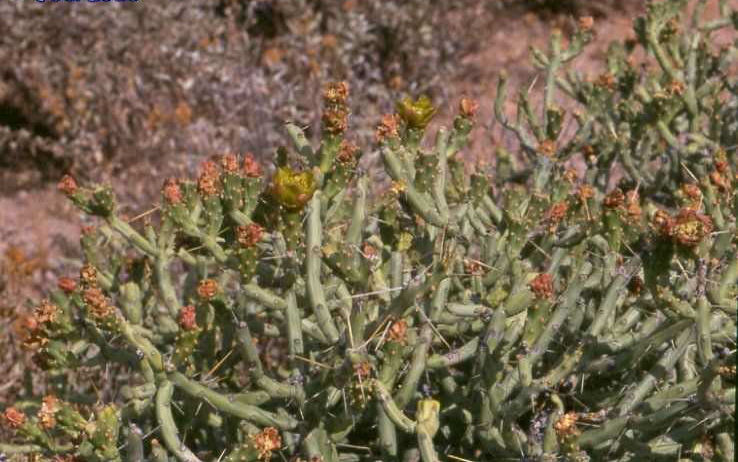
455 316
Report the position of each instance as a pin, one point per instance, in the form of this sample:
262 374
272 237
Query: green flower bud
292 189
416 114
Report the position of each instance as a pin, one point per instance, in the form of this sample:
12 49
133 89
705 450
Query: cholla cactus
560 320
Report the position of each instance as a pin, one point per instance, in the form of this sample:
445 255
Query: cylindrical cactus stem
168 428
417 367
666 363
704 337
395 414
134 444
296 344
725 446
133 236
268 384
164 281
438 189
313 267
609 302
422 204
427 427
301 142
226 404
456 356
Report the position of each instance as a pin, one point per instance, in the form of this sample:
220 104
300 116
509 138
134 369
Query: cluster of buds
692 195
335 112
249 235
606 81
542 286
687 228
207 288
387 128
207 182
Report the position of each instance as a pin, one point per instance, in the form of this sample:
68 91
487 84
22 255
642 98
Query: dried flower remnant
690 227
347 152
97 304
336 93
67 185
542 286
207 288
88 275
675 87
187 318
46 312
249 235
555 214
265 442
387 128
567 425
633 206
614 199
47 413
398 331
606 80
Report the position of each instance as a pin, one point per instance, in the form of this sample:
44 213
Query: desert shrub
531 311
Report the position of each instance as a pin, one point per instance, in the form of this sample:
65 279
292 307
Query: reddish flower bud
586 23
67 185
171 191
542 285
468 108
207 288
229 162
14 418
66 285
249 235
251 168
46 312
187 318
